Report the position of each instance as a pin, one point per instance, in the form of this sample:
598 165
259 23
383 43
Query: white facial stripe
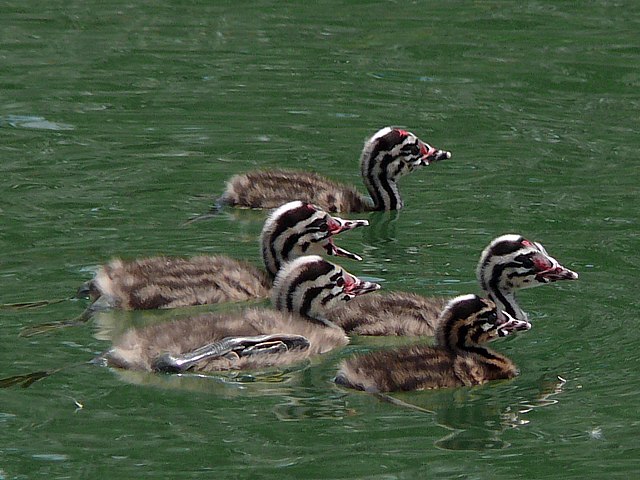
453 301
509 237
380 133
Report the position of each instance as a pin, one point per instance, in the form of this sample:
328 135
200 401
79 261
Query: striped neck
390 154
380 166
504 298
501 272
310 286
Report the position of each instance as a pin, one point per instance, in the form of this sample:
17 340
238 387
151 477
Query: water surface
118 122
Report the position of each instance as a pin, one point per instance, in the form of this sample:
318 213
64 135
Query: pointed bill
354 286
431 154
338 225
557 272
511 324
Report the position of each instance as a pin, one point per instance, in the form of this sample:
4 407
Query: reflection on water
276 381
381 233
476 418
297 408
34 122
109 325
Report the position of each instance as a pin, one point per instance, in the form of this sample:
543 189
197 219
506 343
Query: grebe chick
293 230
507 264
302 291
458 359
388 155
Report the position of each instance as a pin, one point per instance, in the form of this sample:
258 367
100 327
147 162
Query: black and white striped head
390 154
511 262
310 285
297 228
469 320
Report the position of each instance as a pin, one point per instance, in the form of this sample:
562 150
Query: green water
118 122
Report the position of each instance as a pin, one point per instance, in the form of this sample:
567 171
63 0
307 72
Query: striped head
310 286
512 262
390 154
469 321
297 228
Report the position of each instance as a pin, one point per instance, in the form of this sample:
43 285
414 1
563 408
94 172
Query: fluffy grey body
162 282
139 349
303 291
387 314
269 189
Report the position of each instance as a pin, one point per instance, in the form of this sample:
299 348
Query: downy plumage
458 359
293 230
302 291
507 264
388 155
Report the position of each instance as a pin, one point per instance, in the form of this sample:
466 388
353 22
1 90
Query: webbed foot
231 348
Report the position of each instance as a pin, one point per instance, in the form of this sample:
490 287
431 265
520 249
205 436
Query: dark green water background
120 120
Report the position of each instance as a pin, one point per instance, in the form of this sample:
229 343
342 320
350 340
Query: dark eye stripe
497 271
292 240
316 224
327 298
335 276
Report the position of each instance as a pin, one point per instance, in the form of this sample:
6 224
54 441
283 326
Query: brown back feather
161 282
421 367
395 313
270 189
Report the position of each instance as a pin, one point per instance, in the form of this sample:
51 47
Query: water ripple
33 122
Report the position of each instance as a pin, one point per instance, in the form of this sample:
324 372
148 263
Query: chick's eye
411 149
525 260
340 282
490 317
324 227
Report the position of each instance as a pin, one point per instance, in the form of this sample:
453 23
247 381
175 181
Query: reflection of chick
458 359
256 338
387 156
